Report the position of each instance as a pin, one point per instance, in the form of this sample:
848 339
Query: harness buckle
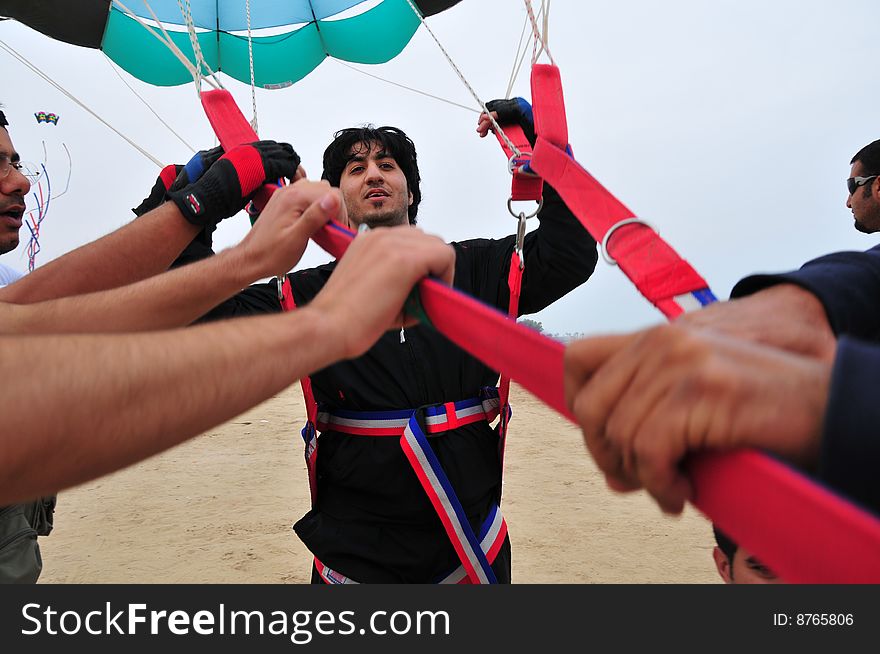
279 283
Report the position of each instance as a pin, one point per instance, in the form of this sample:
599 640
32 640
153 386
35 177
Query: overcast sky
728 125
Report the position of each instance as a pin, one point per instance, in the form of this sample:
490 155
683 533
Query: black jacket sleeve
846 283
850 455
254 300
559 256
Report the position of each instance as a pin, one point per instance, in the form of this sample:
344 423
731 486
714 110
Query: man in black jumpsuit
372 521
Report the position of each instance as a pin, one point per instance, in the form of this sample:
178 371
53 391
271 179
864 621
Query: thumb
319 213
583 357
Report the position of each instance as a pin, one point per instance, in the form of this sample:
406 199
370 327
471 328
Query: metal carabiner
521 238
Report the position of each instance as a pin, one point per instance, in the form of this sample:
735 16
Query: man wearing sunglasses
864 188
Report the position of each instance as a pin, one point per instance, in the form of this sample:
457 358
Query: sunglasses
854 182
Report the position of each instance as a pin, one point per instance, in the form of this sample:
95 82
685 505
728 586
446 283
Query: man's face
865 202
374 188
13 187
744 569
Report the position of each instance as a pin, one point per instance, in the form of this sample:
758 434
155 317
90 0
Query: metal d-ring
516 214
627 221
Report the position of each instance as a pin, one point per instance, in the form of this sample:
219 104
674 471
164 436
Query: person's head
736 565
13 188
864 188
377 171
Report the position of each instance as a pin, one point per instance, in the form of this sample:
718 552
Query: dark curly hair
394 142
869 156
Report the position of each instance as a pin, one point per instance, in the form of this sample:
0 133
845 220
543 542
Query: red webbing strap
514 284
289 304
232 129
657 270
523 186
798 528
548 104
654 267
311 428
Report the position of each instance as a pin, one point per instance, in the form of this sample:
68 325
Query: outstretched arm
149 244
86 405
140 249
178 297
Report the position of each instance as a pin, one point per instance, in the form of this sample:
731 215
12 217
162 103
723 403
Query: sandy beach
219 510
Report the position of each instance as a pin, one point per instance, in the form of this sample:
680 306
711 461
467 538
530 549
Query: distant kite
43 117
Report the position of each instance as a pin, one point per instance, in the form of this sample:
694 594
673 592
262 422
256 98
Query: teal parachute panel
290 38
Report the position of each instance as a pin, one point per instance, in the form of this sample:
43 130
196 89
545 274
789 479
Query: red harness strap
659 273
801 530
309 432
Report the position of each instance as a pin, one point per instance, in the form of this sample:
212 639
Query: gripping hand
515 110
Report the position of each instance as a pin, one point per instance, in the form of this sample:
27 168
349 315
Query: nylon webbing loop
523 186
843 539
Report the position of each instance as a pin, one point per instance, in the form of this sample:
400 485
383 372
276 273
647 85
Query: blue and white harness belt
475 554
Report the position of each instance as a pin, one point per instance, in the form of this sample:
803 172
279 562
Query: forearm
112 400
171 299
140 249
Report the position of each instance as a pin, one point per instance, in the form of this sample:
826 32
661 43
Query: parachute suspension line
458 72
254 122
408 88
193 40
540 35
49 80
201 64
147 104
166 39
517 59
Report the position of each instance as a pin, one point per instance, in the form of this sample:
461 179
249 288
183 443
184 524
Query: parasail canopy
289 38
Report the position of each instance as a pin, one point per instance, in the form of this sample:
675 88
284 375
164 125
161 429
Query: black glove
515 110
227 186
174 177
196 167
158 193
